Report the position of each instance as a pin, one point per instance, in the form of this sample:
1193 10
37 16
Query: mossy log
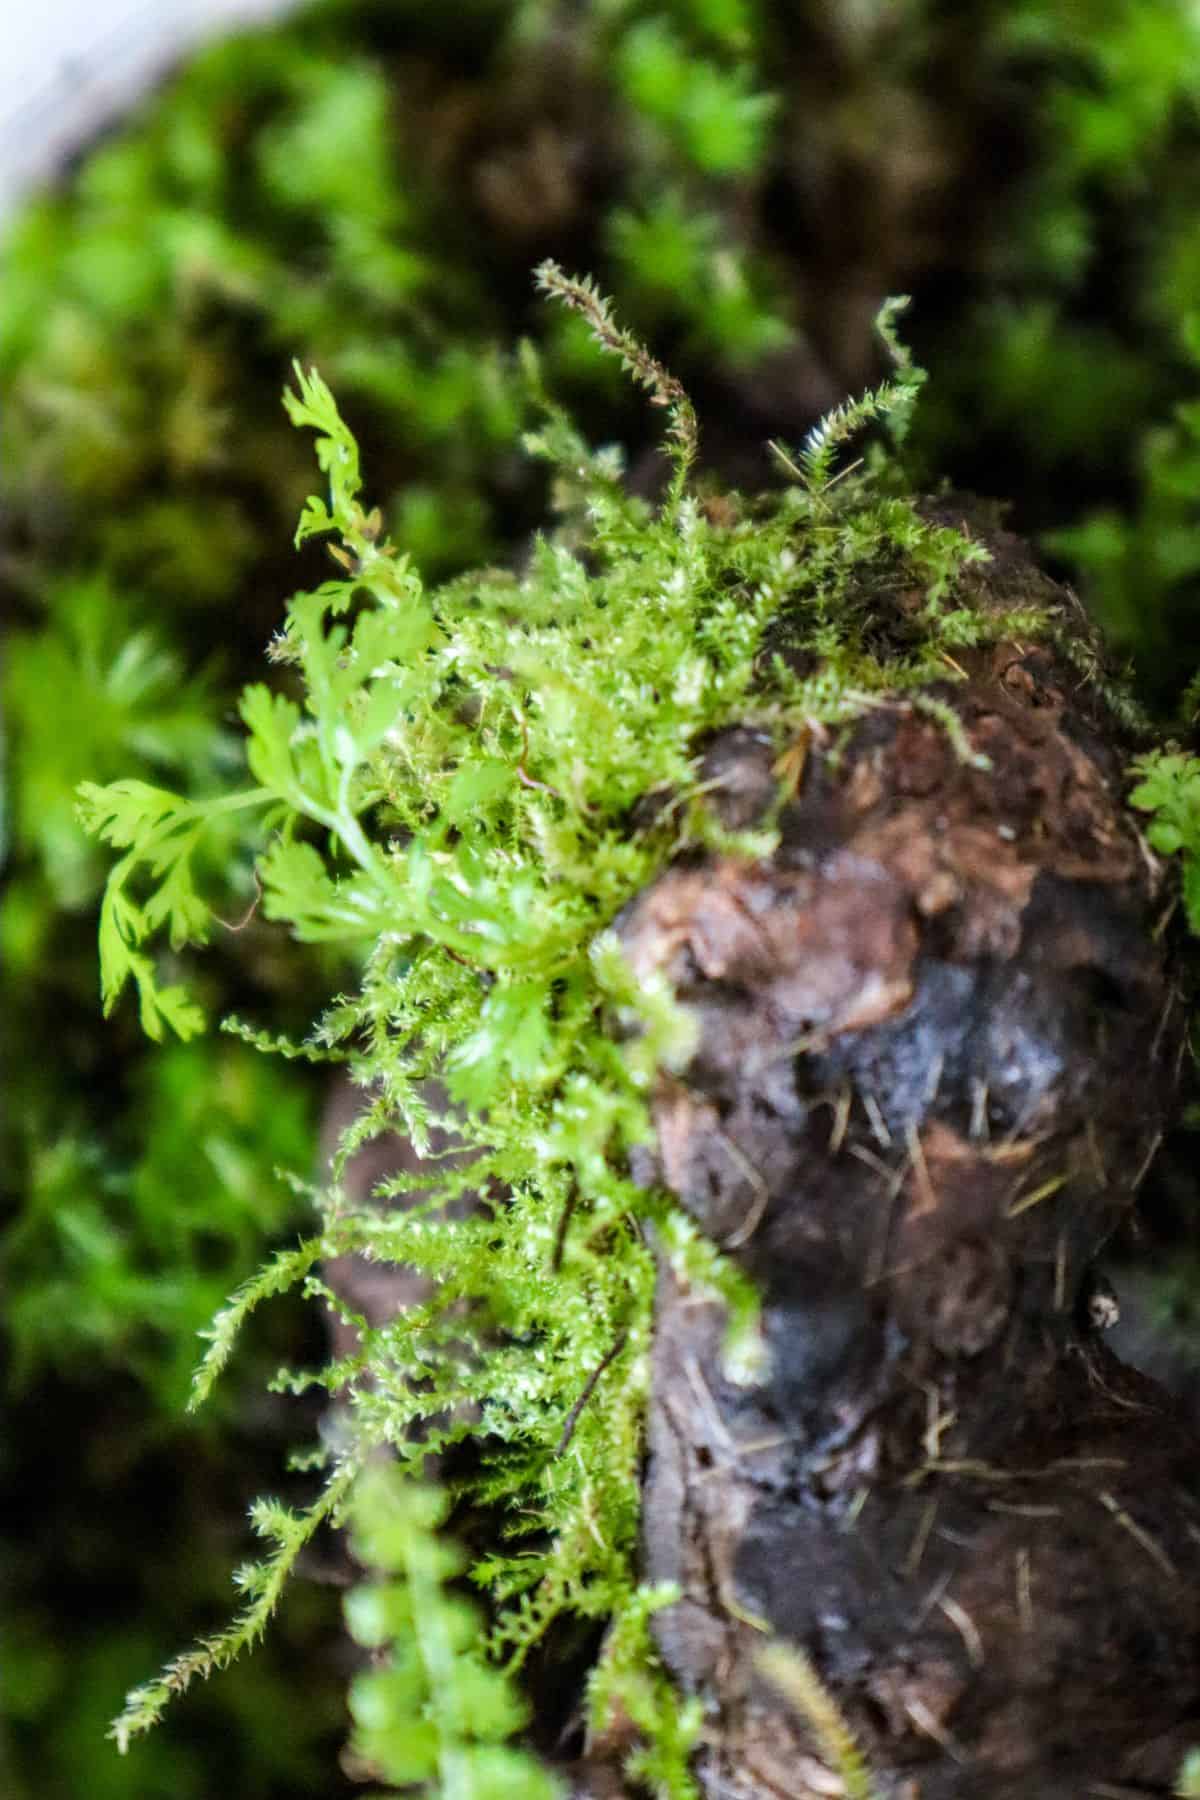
939 1034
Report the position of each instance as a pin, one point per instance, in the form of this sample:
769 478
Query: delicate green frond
629 1682
160 832
581 294
891 402
264 1582
431 1709
284 1271
277 1043
337 454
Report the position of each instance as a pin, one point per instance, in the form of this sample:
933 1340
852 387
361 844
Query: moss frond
789 1670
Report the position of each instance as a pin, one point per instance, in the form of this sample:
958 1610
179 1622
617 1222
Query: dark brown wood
938 1038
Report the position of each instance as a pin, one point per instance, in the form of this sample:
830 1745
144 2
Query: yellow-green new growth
791 1672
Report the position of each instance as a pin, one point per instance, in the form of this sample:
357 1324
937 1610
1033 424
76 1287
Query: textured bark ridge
937 1037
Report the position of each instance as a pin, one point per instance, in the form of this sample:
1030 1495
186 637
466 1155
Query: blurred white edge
69 69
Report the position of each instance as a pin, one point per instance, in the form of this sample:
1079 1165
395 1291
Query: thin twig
523 774
741 1234
568 1430
1138 1533
250 910
560 1236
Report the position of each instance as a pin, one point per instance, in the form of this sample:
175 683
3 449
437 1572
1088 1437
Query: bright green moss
453 804
710 113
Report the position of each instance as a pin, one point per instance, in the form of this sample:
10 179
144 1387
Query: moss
368 186
453 803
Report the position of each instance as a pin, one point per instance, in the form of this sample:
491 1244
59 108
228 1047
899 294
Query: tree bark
939 1035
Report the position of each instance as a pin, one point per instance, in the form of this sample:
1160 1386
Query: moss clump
452 801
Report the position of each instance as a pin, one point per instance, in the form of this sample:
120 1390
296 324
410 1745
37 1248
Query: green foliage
1142 564
892 402
672 247
368 185
280 197
160 833
1107 200
262 1582
629 1681
128 701
1170 789
96 1266
707 110
453 804
432 1710
664 390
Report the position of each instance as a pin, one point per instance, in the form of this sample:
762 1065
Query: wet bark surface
939 1036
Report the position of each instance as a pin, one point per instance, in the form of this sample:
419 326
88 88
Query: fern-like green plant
320 188
450 804
432 1710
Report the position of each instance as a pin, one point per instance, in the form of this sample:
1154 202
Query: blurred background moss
367 187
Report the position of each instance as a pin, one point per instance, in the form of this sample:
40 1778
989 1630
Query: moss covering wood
475 784
301 191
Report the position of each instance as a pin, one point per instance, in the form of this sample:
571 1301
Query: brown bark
938 1034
